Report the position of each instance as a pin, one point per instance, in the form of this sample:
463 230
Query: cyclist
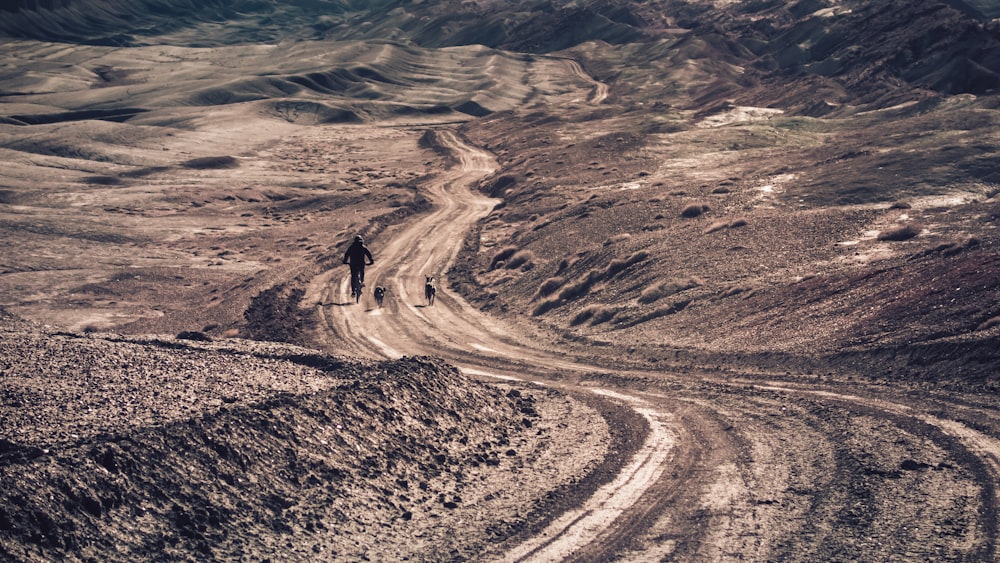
357 255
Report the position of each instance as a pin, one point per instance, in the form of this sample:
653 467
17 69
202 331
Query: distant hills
855 49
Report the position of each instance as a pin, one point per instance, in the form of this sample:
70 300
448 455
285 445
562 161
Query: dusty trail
734 469
481 346
598 91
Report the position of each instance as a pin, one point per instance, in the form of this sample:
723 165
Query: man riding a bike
357 255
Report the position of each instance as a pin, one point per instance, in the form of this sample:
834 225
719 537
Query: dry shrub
616 266
596 314
617 238
694 210
583 316
549 287
542 225
989 323
736 290
603 314
582 286
502 255
103 180
717 226
664 310
663 289
546 306
507 278
905 232
193 335
521 258
212 162
566 263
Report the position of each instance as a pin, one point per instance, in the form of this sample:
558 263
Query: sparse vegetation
523 259
282 452
546 306
694 210
618 265
212 162
582 286
736 290
549 287
719 225
595 314
663 289
103 180
566 263
989 323
660 311
617 238
502 256
905 232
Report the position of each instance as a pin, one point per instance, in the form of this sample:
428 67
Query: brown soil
715 281
150 448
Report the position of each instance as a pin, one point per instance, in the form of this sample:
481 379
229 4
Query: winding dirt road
735 469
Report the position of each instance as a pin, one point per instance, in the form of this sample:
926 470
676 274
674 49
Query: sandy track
598 91
451 328
730 469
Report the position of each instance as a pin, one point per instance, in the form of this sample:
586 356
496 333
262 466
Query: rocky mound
130 449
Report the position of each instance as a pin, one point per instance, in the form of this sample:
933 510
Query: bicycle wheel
356 286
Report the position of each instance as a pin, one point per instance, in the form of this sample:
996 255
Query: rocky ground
747 251
127 448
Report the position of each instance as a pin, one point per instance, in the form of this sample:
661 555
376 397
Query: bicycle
356 286
357 255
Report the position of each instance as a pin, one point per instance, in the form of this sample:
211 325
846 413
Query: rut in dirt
709 481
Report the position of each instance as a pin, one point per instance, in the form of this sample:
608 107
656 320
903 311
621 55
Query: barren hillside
657 229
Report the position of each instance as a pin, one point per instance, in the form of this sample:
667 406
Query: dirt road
748 468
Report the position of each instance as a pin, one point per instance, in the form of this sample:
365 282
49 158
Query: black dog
379 295
429 290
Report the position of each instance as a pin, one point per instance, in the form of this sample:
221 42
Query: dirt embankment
133 448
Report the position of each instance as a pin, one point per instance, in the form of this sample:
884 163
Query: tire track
726 471
454 330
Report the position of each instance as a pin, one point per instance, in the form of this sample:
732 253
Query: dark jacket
356 255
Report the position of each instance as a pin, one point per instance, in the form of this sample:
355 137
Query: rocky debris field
130 448
770 228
